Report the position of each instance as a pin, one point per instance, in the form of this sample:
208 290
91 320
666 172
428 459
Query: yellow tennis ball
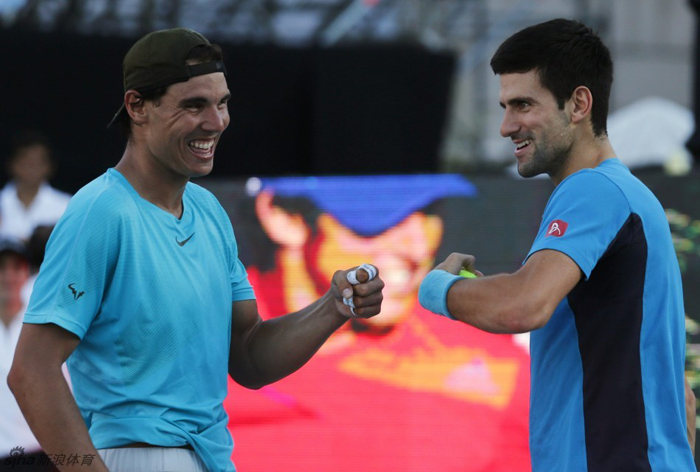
466 274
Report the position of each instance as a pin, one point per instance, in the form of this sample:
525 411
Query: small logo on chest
182 243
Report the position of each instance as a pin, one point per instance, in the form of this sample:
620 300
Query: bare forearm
263 352
52 414
493 304
504 303
282 345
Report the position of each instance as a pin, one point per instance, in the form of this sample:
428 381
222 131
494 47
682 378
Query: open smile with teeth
523 144
202 148
203 145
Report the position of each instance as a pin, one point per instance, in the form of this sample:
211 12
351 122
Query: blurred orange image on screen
406 390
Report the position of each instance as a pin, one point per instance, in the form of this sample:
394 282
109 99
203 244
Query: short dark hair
566 55
28 138
36 246
198 55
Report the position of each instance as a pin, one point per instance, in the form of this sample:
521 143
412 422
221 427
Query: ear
135 107
283 228
581 104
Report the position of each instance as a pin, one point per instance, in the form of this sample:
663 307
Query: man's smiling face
185 124
537 126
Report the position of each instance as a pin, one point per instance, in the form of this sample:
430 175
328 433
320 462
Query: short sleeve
240 286
582 218
78 265
221 225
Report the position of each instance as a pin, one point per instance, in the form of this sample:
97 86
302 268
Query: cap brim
117 115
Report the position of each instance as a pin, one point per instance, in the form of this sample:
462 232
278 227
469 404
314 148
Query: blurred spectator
19 450
28 200
36 247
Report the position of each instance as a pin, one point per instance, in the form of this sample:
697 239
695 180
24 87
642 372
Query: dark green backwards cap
159 59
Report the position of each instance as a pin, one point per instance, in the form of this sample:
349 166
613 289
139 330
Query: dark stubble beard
552 152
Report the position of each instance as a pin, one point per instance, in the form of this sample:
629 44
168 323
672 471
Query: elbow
536 320
247 381
250 385
15 379
523 319
515 325
25 375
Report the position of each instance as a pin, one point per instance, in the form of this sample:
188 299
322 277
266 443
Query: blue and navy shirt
149 295
607 369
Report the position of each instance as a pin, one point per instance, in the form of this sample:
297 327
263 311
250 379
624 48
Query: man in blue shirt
601 287
143 292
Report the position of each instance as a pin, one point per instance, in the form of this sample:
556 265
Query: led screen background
417 392
424 394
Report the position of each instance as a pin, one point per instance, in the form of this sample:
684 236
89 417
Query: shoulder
591 185
586 197
102 199
8 189
8 194
590 179
204 199
55 194
199 192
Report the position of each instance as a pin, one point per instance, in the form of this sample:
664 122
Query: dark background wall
360 109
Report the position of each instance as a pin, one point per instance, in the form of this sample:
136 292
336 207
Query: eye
194 105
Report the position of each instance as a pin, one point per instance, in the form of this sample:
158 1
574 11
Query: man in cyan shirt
143 291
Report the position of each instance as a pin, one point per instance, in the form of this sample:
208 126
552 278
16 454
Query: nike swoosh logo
182 243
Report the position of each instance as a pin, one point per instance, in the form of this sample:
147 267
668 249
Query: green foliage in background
686 241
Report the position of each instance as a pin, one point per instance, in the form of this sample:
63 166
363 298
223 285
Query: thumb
341 282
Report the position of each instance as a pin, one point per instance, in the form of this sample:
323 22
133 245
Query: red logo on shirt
557 228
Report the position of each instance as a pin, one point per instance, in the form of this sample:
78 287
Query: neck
26 193
152 182
586 154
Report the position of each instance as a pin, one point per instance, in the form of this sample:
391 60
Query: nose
216 119
509 125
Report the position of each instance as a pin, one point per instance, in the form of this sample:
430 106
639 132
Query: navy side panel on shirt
607 370
608 312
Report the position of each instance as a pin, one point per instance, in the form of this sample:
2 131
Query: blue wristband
433 291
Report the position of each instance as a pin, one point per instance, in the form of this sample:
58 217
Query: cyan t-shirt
149 295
